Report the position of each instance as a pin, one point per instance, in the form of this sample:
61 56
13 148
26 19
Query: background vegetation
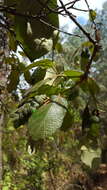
53 99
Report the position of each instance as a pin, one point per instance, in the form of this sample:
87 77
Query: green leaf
92 15
59 48
71 93
68 121
35 34
73 73
93 86
27 74
87 44
45 63
37 75
88 154
94 130
27 77
90 86
48 90
13 79
46 120
21 66
84 59
12 42
35 87
84 86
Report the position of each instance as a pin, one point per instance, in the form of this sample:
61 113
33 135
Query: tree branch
79 26
12 11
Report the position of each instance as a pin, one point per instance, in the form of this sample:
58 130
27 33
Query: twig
75 21
87 4
68 4
48 24
83 10
39 17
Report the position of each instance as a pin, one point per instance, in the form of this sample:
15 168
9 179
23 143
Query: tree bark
3 83
1 164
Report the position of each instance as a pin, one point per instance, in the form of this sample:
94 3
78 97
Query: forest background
53 103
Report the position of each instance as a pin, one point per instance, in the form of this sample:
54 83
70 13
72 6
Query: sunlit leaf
92 15
46 120
73 73
88 154
59 48
87 44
